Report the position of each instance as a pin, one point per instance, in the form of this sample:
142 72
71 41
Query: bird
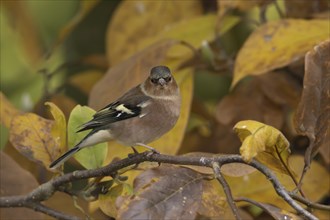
140 116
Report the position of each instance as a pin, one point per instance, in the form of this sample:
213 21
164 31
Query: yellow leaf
277 44
188 32
265 143
107 202
59 128
143 19
31 135
7 111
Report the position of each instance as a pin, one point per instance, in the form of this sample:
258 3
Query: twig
46 190
309 203
226 189
23 201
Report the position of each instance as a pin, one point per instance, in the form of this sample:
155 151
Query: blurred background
89 52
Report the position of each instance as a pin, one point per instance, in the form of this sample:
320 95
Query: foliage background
238 65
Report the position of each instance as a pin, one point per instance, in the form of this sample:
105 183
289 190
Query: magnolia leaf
31 135
166 192
313 114
58 130
7 111
277 44
16 181
90 157
143 21
265 143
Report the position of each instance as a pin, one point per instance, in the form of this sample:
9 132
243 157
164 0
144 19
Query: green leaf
91 157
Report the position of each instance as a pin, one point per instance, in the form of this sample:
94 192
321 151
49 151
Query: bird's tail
64 157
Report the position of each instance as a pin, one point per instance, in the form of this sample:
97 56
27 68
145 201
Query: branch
226 189
46 190
309 203
25 201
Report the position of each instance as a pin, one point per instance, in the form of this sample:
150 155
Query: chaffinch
140 116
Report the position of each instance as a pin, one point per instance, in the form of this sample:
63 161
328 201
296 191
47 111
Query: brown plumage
140 116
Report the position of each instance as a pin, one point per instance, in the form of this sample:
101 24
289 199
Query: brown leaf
166 192
31 135
264 98
242 5
16 181
305 9
313 114
7 111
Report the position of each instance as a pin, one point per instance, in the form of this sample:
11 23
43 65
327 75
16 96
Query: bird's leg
150 148
135 152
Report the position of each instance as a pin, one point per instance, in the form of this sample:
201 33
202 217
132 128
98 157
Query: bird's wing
122 109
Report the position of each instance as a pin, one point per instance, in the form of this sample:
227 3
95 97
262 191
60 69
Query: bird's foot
135 152
153 150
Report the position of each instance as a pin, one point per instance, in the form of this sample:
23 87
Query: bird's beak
161 81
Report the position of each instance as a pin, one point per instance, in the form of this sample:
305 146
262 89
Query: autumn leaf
313 114
305 9
16 181
166 192
277 44
107 202
143 20
7 111
90 157
31 135
265 143
58 130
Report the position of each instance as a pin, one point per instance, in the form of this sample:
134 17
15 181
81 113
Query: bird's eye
167 79
154 80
